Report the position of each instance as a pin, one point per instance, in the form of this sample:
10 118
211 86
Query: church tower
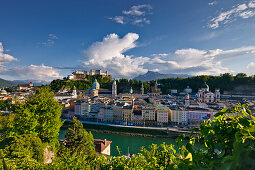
114 89
142 89
217 95
187 103
74 93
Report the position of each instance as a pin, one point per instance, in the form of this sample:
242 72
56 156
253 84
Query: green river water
134 143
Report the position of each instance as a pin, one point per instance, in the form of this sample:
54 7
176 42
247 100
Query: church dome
95 85
3 92
205 86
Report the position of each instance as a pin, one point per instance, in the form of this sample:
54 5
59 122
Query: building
197 115
206 96
188 90
176 116
108 113
155 91
81 75
142 89
148 112
127 113
62 96
162 114
114 89
102 146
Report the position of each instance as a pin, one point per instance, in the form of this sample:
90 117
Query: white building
206 96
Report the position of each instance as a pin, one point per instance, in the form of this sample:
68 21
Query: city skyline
47 40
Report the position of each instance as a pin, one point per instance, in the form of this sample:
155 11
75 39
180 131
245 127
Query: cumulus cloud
244 11
5 58
34 72
251 68
109 54
136 15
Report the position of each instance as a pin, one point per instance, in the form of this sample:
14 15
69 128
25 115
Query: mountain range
151 75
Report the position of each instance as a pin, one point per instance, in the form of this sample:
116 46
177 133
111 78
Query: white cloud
109 55
117 19
247 14
251 68
136 15
50 41
244 11
33 72
5 58
251 4
138 10
212 3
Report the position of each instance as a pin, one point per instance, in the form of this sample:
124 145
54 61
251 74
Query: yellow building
127 112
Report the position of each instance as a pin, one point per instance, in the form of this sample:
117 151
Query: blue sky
45 40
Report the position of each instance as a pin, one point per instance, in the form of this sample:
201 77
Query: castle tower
142 89
217 95
114 89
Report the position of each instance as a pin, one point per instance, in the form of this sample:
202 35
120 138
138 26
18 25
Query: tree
40 115
78 140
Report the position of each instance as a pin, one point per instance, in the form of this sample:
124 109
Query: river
134 143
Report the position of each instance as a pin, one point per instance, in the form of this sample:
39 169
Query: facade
155 91
162 114
148 113
197 116
117 113
127 113
114 89
81 75
206 96
108 114
102 146
62 96
176 116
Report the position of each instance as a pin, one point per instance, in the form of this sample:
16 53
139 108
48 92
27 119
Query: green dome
3 91
95 84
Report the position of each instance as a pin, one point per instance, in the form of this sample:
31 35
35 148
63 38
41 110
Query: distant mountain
151 75
35 82
7 83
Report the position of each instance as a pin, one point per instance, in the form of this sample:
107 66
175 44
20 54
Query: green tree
78 140
40 115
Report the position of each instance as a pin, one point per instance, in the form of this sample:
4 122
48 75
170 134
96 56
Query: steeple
142 89
114 89
131 90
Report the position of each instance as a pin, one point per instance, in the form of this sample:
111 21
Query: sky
49 39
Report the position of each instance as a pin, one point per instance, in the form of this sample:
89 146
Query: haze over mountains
151 75
8 83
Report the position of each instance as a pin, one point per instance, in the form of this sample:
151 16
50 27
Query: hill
6 83
151 75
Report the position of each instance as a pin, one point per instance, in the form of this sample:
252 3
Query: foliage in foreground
226 142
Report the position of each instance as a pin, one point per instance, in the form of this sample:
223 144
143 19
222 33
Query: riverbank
151 132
